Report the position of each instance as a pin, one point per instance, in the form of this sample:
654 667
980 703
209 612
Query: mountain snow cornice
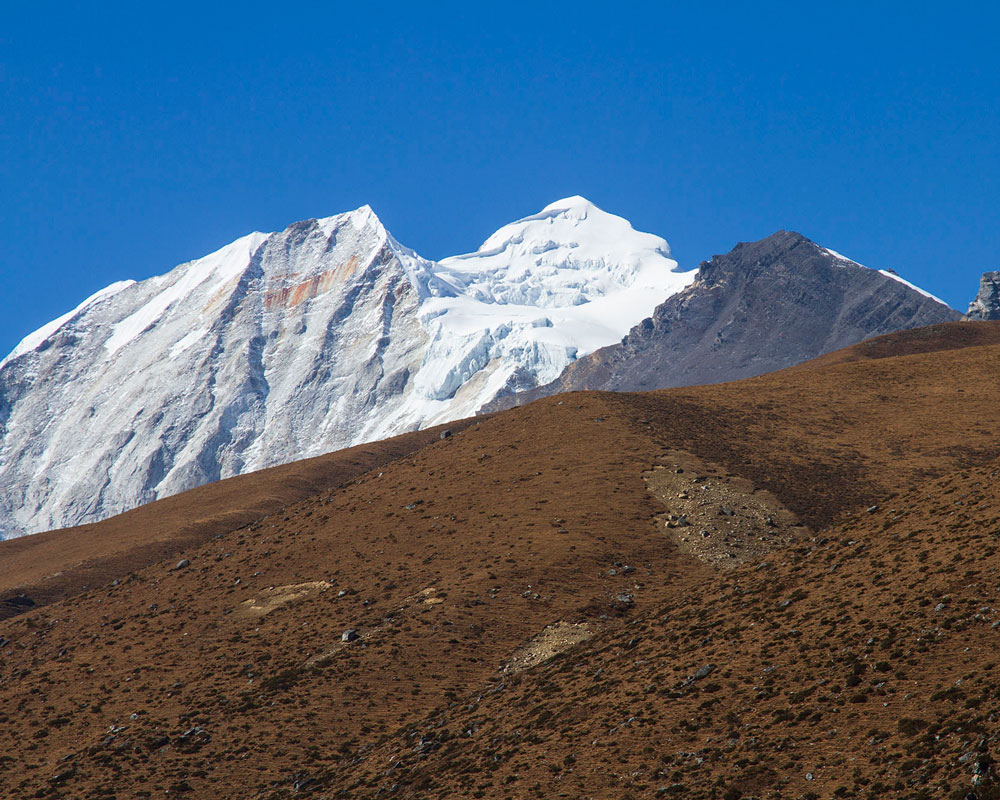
287 345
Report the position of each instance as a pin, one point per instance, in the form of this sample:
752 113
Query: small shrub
911 726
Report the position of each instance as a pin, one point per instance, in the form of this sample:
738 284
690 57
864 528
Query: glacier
286 345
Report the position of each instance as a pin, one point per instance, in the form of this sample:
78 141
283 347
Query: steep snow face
539 293
274 348
286 345
37 338
204 278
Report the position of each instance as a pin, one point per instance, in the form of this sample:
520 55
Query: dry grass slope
855 660
40 569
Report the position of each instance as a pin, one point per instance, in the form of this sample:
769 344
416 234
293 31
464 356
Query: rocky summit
763 306
986 304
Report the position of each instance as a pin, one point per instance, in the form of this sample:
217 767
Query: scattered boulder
192 740
701 672
302 782
63 776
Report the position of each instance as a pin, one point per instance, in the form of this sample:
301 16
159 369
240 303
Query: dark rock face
763 306
987 302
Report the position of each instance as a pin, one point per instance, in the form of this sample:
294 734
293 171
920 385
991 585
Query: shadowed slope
930 339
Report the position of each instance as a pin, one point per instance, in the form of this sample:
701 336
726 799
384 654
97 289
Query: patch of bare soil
275 597
552 641
718 517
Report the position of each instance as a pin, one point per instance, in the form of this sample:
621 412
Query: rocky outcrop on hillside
987 302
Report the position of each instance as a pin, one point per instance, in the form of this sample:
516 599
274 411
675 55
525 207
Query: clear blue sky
137 136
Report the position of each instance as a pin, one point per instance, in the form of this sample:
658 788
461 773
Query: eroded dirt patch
553 640
718 517
278 596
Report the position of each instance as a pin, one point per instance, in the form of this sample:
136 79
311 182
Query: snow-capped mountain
763 306
539 293
286 345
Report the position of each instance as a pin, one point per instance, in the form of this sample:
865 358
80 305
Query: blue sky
137 136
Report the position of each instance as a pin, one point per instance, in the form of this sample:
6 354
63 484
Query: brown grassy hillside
40 569
529 626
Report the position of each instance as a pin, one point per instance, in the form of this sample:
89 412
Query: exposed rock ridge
987 302
763 306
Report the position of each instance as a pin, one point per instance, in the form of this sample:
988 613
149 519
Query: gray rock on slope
763 306
987 303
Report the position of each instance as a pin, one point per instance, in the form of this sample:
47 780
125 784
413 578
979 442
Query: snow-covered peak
360 219
573 207
539 293
572 202
569 253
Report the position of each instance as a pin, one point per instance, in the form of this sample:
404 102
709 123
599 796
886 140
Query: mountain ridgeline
288 345
330 333
763 306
